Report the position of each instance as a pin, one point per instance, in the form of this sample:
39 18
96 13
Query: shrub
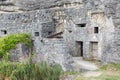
9 42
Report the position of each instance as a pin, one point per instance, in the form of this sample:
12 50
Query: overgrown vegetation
9 42
30 71
24 71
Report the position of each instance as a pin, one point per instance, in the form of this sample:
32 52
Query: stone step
92 74
78 58
83 66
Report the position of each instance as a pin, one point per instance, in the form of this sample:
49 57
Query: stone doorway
94 50
79 46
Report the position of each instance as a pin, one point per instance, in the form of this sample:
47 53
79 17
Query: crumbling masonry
81 28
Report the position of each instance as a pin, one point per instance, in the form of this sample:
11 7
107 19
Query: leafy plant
9 42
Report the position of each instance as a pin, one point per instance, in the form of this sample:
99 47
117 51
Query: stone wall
20 54
111 38
91 16
55 51
42 18
29 22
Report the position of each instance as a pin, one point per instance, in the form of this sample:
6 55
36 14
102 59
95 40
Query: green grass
102 77
109 71
112 66
29 71
70 73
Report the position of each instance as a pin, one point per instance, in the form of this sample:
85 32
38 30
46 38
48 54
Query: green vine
9 42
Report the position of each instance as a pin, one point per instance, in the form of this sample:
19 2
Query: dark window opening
81 25
41 41
50 32
96 30
4 31
70 31
36 33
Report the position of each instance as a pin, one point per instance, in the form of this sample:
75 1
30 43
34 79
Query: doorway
94 50
79 47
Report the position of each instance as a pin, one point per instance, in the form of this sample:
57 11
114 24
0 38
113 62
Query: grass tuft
17 71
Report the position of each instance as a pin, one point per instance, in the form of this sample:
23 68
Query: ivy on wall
9 42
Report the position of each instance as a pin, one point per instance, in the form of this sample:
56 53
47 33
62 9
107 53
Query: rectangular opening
79 46
50 32
4 31
96 30
81 25
94 50
36 33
